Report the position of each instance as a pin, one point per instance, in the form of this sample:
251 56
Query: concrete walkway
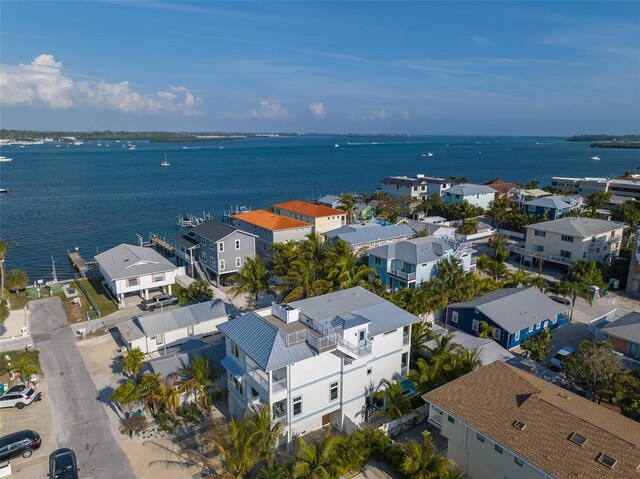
79 420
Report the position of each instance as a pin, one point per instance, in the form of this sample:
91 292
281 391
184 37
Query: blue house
552 206
514 313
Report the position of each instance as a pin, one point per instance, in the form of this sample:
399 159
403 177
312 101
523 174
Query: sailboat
165 162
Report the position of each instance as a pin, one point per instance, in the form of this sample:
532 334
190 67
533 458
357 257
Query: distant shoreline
607 144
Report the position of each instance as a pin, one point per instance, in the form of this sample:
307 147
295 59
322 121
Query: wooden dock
161 244
79 264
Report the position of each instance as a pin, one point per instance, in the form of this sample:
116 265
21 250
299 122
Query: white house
136 269
158 331
476 195
419 186
317 361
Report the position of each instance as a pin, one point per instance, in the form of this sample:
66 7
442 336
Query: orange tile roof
492 398
270 221
309 209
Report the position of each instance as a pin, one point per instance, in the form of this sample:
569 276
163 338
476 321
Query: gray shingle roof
489 351
627 327
185 241
158 323
174 363
555 202
331 200
263 342
466 189
577 226
213 230
129 330
514 309
360 234
125 261
414 251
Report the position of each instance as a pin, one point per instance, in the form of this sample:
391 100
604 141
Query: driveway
79 420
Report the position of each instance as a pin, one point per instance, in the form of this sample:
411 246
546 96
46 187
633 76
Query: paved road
14 344
79 419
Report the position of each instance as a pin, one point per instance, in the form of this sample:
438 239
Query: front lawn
14 357
99 296
18 301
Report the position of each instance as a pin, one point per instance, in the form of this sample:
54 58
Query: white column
169 289
146 294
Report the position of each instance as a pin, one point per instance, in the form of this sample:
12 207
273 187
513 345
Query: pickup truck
160 300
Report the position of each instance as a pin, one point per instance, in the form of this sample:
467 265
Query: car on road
158 301
21 443
63 465
560 356
560 299
19 399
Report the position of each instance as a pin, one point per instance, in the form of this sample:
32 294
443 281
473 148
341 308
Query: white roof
126 261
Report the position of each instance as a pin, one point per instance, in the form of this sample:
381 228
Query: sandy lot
148 455
36 417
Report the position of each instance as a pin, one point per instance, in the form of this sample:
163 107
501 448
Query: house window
237 243
531 328
297 405
454 316
531 208
606 460
132 282
565 254
451 419
212 261
480 437
234 350
221 246
496 334
517 336
159 339
333 391
475 325
377 261
254 393
189 330
369 371
567 238
158 277
236 383
221 264
498 449
238 261
542 234
518 461
537 325
204 257
279 408
577 439
404 360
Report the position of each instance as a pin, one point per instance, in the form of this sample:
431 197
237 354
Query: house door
633 350
326 419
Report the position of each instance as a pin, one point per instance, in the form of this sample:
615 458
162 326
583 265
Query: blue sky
512 68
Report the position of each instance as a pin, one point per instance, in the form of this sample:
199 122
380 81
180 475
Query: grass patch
181 293
99 296
32 355
18 301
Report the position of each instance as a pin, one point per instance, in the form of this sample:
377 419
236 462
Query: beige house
569 239
502 422
321 217
270 228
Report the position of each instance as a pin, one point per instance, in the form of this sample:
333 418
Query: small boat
4 190
132 147
427 154
336 146
595 158
165 162
4 159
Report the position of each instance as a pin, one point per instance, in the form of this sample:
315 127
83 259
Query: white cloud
379 114
43 82
270 110
317 110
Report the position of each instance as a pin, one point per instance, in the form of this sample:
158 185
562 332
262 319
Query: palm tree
575 290
316 461
348 273
26 367
396 404
199 380
283 255
312 248
265 436
443 346
132 362
348 204
304 281
426 375
518 278
420 334
421 462
274 470
161 393
252 279
126 394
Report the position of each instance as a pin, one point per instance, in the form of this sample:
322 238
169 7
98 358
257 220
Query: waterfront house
215 248
502 188
270 228
623 333
503 422
418 187
569 239
514 314
321 217
317 361
129 269
476 195
362 236
408 264
362 211
331 201
552 207
522 195
167 329
627 188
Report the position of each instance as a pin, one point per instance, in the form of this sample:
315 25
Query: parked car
560 356
160 300
21 443
560 299
18 388
19 399
63 465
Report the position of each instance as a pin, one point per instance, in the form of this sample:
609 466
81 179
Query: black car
62 464
160 300
560 299
21 443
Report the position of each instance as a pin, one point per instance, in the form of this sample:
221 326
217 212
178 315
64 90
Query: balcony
258 377
615 239
406 339
326 339
555 258
278 385
403 275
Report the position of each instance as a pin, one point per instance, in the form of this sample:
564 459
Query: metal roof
514 309
556 202
231 366
176 362
129 330
467 189
163 322
488 350
125 261
330 200
627 327
360 234
414 251
577 226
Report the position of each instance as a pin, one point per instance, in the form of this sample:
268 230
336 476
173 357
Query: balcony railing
330 338
556 258
615 239
278 385
406 338
403 274
260 379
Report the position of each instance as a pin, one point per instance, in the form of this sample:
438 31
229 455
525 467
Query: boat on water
595 158
429 154
165 162
4 159
336 146
132 147
4 190
78 143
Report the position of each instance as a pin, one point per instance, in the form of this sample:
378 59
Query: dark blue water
97 197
